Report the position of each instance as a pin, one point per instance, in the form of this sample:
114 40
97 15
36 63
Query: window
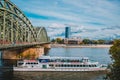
90 66
35 63
95 65
32 63
65 65
56 65
86 65
20 63
77 65
74 65
59 65
51 65
71 65
62 65
81 66
68 65
28 63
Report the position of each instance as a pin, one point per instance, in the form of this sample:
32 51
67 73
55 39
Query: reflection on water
0 62
59 75
97 54
6 74
6 69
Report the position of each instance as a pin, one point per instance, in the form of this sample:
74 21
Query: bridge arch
15 27
42 35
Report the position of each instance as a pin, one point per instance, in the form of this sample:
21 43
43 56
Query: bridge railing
22 45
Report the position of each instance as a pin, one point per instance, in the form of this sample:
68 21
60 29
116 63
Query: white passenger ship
47 63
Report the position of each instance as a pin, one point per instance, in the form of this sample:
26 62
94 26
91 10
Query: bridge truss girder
16 28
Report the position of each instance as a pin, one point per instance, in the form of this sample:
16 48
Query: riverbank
81 46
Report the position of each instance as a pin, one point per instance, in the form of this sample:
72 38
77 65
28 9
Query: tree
115 55
59 40
53 40
86 41
94 41
100 41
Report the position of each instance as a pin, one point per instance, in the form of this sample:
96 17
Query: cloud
78 8
87 18
79 12
107 33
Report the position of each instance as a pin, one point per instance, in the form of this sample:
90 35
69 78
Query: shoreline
81 46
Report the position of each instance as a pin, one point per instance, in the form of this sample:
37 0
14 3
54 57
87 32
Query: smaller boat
47 63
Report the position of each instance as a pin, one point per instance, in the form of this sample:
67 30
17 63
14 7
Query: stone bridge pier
48 46
25 53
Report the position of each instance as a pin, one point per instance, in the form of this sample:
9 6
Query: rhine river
97 54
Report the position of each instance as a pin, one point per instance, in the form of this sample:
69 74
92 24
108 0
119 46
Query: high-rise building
67 32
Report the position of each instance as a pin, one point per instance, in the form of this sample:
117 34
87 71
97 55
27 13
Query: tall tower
67 32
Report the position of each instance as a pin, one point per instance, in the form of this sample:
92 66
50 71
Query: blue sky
84 16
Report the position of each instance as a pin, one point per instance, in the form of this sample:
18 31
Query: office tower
67 32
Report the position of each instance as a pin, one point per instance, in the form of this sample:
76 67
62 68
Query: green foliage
115 52
86 41
53 40
57 40
115 55
94 41
100 41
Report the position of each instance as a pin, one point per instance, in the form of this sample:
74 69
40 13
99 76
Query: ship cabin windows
72 65
93 65
63 60
51 65
85 60
31 63
20 63
44 60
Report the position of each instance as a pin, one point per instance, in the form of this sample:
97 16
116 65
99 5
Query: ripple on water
59 75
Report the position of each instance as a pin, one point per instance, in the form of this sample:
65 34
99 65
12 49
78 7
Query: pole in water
0 58
0 54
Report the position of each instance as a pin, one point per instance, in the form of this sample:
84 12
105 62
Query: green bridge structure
16 30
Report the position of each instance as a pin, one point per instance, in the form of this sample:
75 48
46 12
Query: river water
97 54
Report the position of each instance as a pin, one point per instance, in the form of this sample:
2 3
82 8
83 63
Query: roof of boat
56 57
30 60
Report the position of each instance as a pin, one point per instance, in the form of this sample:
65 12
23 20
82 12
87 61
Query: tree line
84 41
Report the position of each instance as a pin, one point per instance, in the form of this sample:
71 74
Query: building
69 40
74 40
67 32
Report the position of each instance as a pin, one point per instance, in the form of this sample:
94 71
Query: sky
94 19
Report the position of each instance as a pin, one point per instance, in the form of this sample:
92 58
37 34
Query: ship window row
31 63
20 63
57 60
64 65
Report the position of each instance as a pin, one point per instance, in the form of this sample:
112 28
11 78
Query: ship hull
60 69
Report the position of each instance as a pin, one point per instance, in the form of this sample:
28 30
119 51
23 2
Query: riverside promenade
81 46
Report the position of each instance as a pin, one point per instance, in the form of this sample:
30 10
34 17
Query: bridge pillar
47 46
30 53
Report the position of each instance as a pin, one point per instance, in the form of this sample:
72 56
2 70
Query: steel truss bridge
16 29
